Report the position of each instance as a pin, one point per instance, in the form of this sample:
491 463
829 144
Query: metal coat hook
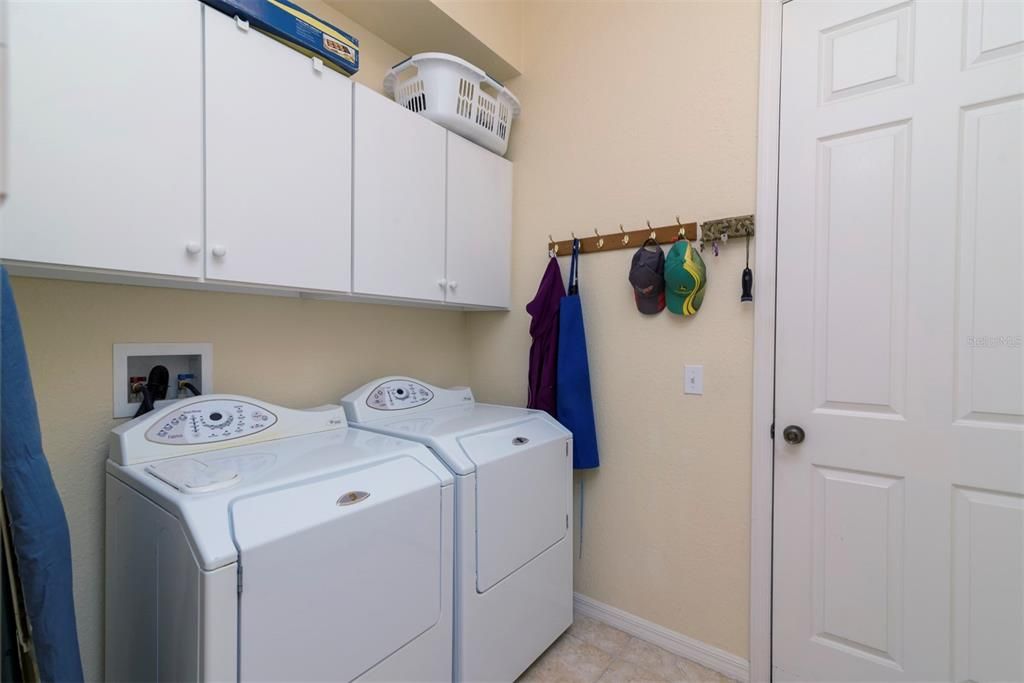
600 240
654 235
552 251
625 237
682 231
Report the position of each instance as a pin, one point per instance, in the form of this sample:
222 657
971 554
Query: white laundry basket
457 95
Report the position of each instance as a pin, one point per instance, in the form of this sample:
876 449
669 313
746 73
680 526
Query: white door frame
762 446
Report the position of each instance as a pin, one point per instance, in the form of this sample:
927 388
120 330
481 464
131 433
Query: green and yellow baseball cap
685 279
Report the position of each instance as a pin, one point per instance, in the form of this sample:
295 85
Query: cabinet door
278 163
479 238
106 136
398 201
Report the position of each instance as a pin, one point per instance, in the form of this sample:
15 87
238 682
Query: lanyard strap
574 287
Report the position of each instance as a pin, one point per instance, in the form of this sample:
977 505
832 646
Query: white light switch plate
693 379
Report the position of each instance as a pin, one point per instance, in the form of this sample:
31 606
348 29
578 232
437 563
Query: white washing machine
251 542
513 479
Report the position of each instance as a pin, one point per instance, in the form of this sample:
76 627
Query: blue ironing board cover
39 529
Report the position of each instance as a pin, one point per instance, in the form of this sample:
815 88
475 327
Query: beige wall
497 23
668 130
631 112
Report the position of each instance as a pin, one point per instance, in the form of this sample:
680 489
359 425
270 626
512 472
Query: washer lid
338 573
189 475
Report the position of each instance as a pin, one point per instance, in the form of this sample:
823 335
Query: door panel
860 358
858 569
105 136
993 29
898 525
399 201
987 595
278 163
867 53
479 237
990 280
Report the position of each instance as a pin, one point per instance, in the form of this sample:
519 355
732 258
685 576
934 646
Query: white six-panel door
278 163
899 520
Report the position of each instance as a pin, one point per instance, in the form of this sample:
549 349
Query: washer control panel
398 394
210 421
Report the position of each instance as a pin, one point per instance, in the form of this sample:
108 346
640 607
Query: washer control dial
398 395
209 422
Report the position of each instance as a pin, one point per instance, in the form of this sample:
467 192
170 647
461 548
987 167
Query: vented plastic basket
457 95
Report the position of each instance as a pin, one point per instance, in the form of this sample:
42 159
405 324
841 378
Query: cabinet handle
442 283
219 251
452 285
193 248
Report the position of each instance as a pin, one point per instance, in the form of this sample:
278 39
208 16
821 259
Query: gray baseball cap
647 275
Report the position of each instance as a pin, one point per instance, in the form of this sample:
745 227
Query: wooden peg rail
738 226
625 239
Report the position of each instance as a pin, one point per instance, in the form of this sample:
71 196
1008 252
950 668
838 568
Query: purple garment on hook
543 310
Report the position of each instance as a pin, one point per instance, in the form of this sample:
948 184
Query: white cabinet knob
219 250
442 283
452 285
193 247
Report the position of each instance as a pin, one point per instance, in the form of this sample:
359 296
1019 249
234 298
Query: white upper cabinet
105 138
219 155
398 201
479 239
278 163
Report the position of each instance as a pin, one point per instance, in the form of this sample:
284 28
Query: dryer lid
338 573
523 479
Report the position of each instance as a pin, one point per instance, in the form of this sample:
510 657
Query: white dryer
251 542
513 481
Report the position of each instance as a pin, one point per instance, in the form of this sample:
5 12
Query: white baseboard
712 657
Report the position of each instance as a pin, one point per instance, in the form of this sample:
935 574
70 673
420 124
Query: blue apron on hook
575 406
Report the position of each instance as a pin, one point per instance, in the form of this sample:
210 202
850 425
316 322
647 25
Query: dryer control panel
210 421
389 394
399 394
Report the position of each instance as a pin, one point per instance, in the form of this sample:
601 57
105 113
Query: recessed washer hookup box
297 28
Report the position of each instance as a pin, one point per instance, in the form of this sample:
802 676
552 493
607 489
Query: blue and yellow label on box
298 29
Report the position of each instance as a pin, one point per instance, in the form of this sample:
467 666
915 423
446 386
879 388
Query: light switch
693 379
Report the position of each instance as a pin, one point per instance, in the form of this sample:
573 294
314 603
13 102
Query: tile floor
594 652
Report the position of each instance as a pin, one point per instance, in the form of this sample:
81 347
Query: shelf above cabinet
415 26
